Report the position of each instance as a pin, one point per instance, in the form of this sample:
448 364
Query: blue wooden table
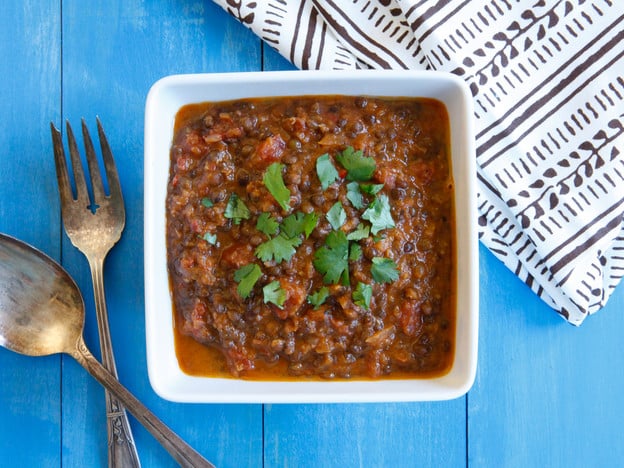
546 393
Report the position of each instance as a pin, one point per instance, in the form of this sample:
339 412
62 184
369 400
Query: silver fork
94 227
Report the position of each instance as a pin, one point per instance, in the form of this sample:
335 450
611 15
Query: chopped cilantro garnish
279 248
379 215
236 209
361 232
246 277
210 238
282 246
273 181
362 295
299 223
355 196
326 171
267 224
331 260
207 202
371 189
355 252
292 225
274 293
380 237
310 220
319 297
358 166
336 216
384 270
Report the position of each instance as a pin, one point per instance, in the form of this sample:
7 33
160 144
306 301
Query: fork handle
122 450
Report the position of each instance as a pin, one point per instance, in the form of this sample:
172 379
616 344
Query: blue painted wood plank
546 393
112 53
30 94
364 435
273 61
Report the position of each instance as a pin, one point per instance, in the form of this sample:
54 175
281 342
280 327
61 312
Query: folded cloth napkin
548 87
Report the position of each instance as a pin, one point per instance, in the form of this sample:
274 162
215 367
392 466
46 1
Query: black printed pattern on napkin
547 79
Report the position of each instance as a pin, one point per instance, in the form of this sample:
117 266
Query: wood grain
30 95
546 394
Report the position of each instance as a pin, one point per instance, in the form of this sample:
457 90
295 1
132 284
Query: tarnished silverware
94 226
42 313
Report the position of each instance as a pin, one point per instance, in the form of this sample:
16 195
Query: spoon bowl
42 313
41 308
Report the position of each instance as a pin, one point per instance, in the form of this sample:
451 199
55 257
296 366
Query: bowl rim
167 95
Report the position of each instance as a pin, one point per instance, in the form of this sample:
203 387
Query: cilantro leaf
355 252
279 248
380 237
379 215
336 216
358 166
267 224
236 209
310 220
362 295
274 182
207 202
291 226
210 238
319 297
274 293
371 189
361 232
355 196
246 277
299 223
326 171
384 270
331 260
282 246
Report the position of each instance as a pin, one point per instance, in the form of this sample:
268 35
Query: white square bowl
163 102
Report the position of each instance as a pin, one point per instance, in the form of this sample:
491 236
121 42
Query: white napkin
548 83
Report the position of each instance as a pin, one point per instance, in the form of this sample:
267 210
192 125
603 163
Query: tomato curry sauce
312 237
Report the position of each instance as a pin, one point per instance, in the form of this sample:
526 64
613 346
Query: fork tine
94 168
109 164
62 176
82 195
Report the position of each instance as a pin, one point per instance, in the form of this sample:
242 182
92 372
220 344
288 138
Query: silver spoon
42 313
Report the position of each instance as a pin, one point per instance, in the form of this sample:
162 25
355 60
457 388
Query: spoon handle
183 453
